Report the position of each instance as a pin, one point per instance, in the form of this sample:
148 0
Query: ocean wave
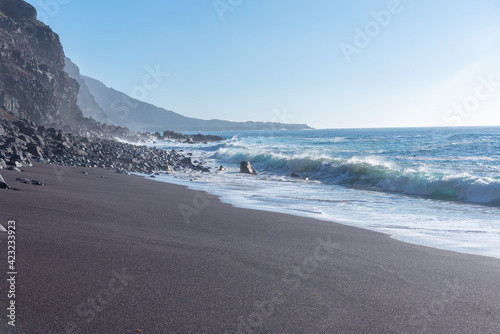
461 187
372 173
471 158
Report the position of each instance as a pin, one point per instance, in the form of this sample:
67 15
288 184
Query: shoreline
426 198
116 254
237 200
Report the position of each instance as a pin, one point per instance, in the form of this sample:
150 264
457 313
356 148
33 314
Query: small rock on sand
3 184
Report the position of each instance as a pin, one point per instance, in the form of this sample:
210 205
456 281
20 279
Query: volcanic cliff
33 82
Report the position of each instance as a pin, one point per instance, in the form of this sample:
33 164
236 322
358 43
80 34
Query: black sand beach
120 254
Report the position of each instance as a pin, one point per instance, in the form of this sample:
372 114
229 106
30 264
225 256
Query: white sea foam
421 188
372 172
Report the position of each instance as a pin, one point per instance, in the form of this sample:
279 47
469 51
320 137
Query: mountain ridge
88 105
123 110
39 84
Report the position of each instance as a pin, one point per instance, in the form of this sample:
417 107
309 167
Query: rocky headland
33 82
40 119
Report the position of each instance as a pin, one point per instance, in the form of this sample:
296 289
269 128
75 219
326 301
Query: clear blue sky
423 63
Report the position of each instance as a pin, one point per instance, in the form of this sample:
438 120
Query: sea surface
437 187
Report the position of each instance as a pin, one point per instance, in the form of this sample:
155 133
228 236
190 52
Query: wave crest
371 173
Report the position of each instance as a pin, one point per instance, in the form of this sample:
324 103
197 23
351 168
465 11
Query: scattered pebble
3 184
37 183
34 182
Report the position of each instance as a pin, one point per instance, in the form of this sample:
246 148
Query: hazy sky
327 63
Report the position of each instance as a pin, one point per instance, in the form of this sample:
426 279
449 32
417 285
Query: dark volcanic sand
114 254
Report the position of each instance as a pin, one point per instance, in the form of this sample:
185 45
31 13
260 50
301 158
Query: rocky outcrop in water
191 139
247 168
297 176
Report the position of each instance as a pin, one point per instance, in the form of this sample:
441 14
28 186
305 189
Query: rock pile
191 139
22 142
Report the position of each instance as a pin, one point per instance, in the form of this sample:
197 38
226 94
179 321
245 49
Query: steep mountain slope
39 84
33 83
86 101
125 111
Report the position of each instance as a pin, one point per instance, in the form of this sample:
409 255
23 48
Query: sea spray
372 173
436 187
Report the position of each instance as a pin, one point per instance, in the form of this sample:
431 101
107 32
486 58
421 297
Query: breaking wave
371 173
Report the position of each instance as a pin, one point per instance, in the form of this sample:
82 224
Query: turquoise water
438 187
